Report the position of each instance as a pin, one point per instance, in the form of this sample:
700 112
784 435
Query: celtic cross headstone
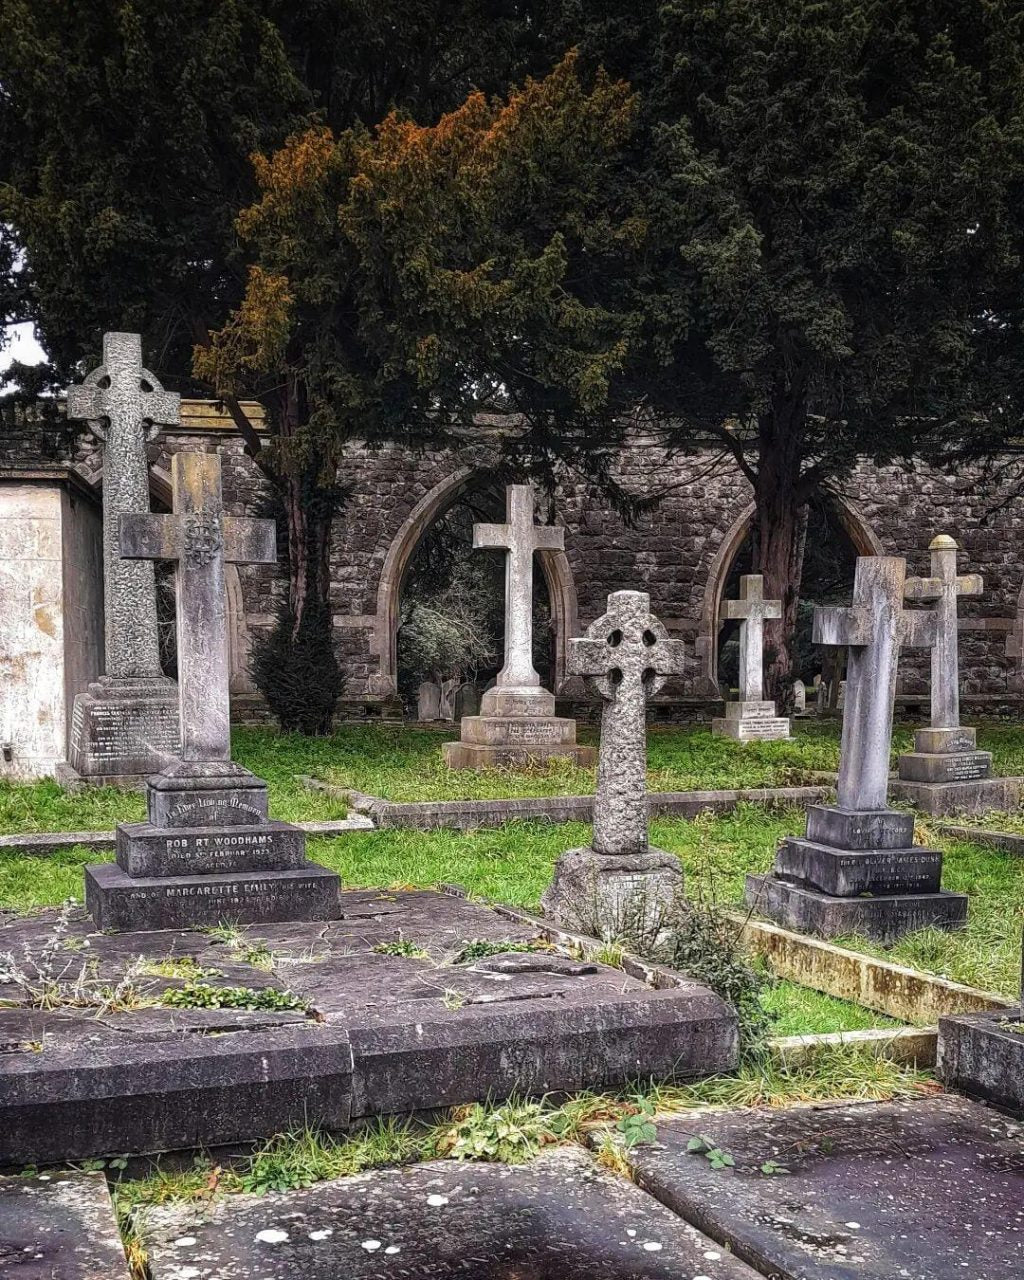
620 885
125 725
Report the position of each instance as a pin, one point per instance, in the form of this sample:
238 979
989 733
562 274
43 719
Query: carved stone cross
753 609
625 656
123 403
874 629
201 539
944 587
520 538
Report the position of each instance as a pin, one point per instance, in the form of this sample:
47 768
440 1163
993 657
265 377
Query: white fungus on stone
321 1235
271 1235
183 1242
652 1246
436 1201
371 1246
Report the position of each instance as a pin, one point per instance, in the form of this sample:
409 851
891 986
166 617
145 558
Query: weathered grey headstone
799 697
517 724
428 701
467 701
209 851
620 886
126 725
752 717
858 865
946 773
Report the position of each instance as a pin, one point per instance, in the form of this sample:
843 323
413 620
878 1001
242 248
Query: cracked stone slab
59 1225
559 1216
388 1031
929 1189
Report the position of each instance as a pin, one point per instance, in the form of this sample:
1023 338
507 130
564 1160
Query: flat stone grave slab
982 1054
408 1001
559 1216
59 1226
929 1189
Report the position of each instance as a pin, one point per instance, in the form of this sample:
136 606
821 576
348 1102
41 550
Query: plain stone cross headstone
200 539
874 629
519 537
428 701
752 610
123 403
945 587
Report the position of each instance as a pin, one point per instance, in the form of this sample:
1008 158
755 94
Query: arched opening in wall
835 537
451 610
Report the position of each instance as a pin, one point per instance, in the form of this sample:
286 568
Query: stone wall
681 552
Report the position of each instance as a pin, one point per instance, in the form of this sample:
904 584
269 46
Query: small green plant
399 947
225 932
610 954
705 944
510 1134
712 1153
637 1125
771 1169
453 999
258 954
481 948
201 995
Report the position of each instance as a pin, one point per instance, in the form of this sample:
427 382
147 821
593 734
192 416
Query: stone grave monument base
615 896
946 773
751 722
208 854
515 728
371 1028
856 872
122 730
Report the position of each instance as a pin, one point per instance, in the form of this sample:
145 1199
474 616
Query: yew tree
832 196
406 279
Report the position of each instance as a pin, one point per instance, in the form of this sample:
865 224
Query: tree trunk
779 532
309 513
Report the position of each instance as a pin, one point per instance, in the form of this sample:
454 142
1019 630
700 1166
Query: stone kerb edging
1008 841
893 989
466 815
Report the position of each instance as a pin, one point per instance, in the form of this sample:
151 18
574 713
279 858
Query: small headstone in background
428 701
752 717
858 870
946 773
620 886
799 697
467 700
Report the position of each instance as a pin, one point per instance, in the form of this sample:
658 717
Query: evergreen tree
832 196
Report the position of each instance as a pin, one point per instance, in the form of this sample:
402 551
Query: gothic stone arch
384 637
863 537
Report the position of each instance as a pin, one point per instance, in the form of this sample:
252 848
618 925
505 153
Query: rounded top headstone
941 541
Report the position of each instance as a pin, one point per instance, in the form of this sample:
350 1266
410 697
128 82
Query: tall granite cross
201 539
625 657
753 609
520 538
874 629
944 586
123 402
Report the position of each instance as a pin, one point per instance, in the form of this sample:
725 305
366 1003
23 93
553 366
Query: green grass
799 1011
